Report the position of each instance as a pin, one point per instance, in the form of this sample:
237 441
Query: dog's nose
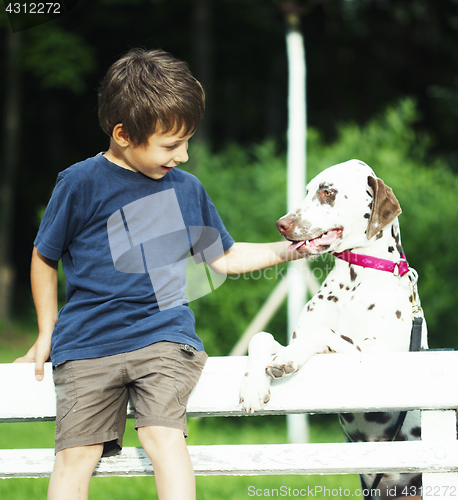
284 225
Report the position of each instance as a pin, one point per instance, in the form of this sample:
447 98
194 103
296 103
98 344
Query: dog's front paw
285 362
278 370
254 392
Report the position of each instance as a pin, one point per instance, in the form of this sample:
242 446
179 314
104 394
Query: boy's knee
80 457
158 436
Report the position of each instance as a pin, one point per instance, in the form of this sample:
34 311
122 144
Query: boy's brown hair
148 91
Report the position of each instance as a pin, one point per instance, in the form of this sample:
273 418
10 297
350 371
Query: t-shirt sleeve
61 221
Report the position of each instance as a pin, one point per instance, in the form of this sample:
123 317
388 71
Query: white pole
297 132
296 180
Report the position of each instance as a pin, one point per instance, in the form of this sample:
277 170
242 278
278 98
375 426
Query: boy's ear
120 136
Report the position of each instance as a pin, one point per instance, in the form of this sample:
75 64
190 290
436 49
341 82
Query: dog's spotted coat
346 208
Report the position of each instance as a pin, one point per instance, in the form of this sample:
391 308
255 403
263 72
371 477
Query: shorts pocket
189 366
65 386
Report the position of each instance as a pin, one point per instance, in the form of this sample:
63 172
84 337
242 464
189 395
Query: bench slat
217 393
274 459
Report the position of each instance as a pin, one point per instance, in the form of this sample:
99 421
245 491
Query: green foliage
59 58
248 186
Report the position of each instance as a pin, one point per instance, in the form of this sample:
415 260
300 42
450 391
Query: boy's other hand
38 354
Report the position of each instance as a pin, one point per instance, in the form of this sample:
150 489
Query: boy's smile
155 159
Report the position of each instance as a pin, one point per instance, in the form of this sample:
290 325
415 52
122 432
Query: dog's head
345 207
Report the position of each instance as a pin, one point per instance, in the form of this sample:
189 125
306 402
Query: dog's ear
385 206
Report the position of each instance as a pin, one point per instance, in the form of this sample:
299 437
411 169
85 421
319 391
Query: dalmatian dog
364 305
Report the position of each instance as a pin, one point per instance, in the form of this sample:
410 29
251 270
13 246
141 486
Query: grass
250 430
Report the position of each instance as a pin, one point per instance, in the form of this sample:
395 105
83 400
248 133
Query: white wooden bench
326 384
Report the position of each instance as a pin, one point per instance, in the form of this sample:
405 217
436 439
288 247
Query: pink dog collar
375 263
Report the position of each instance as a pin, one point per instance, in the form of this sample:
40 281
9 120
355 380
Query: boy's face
163 152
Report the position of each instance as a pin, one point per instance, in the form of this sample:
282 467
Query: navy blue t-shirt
124 240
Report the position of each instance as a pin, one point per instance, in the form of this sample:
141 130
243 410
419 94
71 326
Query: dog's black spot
416 432
379 235
395 235
398 314
348 417
320 297
341 285
370 205
357 436
377 417
370 194
358 348
294 335
391 249
347 339
325 285
353 274
367 216
347 288
310 307
391 431
371 307
333 298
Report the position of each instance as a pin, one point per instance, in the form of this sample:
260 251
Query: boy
123 222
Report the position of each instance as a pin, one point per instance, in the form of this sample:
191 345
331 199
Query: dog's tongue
295 245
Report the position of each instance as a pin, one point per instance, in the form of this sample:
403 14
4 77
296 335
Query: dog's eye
329 193
326 194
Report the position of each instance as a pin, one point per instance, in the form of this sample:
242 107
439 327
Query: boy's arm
246 257
43 278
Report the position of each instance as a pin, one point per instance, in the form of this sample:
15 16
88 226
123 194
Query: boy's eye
173 146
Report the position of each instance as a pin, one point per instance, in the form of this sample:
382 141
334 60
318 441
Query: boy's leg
173 471
72 472
90 420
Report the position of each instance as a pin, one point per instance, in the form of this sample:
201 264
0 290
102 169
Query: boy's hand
38 354
246 257
43 278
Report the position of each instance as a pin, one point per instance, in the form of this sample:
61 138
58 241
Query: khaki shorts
92 394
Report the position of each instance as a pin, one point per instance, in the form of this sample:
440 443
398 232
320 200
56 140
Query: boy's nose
182 155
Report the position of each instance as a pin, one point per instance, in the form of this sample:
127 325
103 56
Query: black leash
415 345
